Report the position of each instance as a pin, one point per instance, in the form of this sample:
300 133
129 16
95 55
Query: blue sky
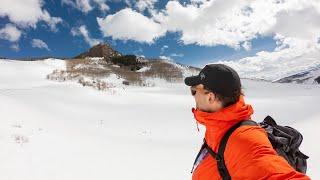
63 44
257 38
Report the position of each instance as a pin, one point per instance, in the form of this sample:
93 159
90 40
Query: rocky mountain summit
100 50
102 67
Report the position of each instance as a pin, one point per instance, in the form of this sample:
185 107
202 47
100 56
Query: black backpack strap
223 171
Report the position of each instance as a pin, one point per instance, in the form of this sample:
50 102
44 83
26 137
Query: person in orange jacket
219 106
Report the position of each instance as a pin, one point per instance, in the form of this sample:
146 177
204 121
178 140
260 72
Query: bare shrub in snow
96 83
61 75
20 139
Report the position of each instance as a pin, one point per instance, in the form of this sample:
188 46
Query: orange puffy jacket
248 154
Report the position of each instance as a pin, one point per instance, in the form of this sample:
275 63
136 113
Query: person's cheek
200 103
197 103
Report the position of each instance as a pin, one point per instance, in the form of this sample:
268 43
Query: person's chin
205 110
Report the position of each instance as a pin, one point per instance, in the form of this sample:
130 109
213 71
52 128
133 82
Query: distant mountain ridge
311 76
103 59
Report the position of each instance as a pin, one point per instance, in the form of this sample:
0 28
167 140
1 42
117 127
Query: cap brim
192 80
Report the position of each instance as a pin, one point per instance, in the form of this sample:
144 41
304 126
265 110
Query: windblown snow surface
62 131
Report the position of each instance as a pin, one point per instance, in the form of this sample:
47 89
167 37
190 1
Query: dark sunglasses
194 91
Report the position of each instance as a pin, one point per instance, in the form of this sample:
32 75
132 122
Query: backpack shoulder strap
224 173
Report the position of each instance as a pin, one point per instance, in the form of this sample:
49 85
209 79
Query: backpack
284 139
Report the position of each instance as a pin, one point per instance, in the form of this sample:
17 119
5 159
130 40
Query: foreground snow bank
51 130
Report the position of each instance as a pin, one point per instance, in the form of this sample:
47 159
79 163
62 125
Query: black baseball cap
218 78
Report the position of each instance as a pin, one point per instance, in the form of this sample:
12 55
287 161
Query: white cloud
166 58
10 33
26 13
82 5
277 64
198 2
38 43
128 24
218 22
176 55
82 31
246 45
293 24
163 49
172 55
87 5
291 56
141 5
102 5
201 22
299 23
15 47
51 21
205 24
296 29
128 2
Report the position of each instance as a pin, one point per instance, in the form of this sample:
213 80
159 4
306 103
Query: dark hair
228 100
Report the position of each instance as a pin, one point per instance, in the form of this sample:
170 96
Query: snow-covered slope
51 130
186 70
273 66
25 74
306 77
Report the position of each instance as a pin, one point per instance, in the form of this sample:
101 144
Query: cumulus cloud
130 25
15 47
87 5
232 23
203 24
293 24
296 30
10 33
82 31
82 5
27 13
246 45
38 43
277 64
141 5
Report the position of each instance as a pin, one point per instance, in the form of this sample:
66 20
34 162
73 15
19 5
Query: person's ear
212 97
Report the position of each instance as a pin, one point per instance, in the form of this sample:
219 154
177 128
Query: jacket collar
217 123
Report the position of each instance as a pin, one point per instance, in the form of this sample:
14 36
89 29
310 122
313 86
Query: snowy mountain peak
290 68
311 76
